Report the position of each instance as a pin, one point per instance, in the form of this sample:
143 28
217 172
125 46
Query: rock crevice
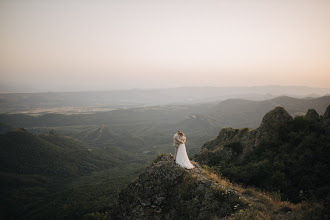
167 191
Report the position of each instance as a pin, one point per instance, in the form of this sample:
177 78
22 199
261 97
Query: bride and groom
180 155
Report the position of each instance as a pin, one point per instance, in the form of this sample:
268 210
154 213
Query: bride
182 157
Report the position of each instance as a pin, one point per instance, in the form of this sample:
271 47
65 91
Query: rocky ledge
235 144
167 191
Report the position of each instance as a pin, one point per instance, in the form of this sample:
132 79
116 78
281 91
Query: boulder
326 114
325 119
167 191
312 114
271 123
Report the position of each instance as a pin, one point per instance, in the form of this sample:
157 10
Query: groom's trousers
176 151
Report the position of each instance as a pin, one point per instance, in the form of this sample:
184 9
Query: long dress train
182 157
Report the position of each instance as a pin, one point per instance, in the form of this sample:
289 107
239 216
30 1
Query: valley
54 161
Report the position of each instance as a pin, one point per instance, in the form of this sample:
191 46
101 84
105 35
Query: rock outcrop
167 191
326 120
230 144
326 114
230 134
235 144
271 122
312 114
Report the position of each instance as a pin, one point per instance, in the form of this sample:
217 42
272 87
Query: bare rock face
167 191
312 114
326 120
235 144
271 123
326 114
225 134
229 144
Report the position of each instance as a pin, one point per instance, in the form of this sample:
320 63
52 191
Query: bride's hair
181 134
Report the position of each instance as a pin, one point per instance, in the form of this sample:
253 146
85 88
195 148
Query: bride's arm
179 139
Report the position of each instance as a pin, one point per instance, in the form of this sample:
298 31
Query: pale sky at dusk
119 44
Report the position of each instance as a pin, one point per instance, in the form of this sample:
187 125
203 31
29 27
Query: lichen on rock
271 122
167 191
312 114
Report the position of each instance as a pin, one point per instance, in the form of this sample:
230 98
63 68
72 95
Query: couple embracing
180 155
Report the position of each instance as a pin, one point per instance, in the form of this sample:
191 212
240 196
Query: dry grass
264 205
300 211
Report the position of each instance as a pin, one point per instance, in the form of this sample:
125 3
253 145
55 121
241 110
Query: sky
121 44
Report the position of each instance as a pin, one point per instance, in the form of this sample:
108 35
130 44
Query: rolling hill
288 157
72 157
240 113
48 176
285 154
149 129
91 101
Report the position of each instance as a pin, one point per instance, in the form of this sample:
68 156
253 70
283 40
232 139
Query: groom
176 142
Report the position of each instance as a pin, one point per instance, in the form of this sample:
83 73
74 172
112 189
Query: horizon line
162 88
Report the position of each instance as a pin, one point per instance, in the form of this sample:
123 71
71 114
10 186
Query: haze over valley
94 101
92 92
104 143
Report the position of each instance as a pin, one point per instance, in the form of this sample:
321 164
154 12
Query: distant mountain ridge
59 102
225 113
246 113
148 129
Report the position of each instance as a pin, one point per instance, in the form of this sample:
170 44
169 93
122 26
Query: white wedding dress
182 157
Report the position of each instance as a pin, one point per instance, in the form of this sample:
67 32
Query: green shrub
296 162
157 158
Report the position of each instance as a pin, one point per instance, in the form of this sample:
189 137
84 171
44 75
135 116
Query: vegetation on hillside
54 177
296 165
167 191
77 164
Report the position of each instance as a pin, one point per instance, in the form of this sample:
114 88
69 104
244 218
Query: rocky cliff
326 120
167 191
235 144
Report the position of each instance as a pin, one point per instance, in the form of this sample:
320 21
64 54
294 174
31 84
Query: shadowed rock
225 134
167 191
235 144
271 123
312 114
225 145
326 114
274 119
326 120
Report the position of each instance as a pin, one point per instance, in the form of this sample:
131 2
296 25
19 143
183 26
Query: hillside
53 173
288 157
49 176
90 102
167 191
285 154
147 130
232 112
240 113
4 128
